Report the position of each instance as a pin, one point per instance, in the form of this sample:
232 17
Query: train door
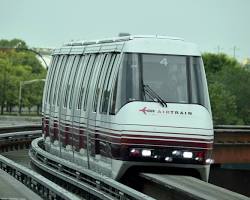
91 123
53 114
81 111
106 147
46 105
93 108
70 131
63 124
72 109
77 93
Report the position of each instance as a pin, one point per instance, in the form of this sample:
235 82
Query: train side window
97 85
198 83
50 69
112 86
49 79
91 67
64 80
84 65
50 72
113 99
52 81
101 81
74 84
106 92
72 69
60 79
63 60
69 70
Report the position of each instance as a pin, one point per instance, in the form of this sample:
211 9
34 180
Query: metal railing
37 183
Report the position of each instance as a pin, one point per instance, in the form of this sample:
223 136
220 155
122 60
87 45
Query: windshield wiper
153 95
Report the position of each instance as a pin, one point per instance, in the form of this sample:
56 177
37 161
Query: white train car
133 101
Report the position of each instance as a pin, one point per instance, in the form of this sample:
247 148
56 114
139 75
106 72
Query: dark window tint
79 65
69 78
58 96
106 92
97 87
51 73
84 65
198 82
130 79
91 67
113 102
53 86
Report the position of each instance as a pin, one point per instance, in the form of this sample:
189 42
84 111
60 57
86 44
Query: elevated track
231 144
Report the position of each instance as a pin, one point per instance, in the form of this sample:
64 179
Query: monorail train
113 104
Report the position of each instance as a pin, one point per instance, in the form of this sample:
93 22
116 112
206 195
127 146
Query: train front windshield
176 79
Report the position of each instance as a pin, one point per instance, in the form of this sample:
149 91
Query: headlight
187 154
146 153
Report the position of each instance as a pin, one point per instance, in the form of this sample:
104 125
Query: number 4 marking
164 62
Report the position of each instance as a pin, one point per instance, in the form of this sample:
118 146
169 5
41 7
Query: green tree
224 106
247 64
236 80
15 43
214 63
4 71
16 66
228 85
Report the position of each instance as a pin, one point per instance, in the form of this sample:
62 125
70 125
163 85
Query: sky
214 25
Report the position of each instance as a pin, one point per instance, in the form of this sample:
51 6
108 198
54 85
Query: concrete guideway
35 181
12 188
188 187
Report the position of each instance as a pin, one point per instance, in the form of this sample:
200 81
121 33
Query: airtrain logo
146 110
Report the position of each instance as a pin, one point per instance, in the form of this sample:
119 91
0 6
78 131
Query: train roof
154 44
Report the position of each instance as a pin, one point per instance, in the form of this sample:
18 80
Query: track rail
83 181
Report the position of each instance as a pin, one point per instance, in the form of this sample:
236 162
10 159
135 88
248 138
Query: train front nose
179 133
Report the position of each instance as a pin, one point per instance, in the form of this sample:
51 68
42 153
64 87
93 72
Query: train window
74 80
167 76
63 60
113 85
129 80
102 79
61 80
49 79
113 100
52 81
91 66
106 92
175 78
72 69
51 71
98 78
84 65
69 70
198 83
